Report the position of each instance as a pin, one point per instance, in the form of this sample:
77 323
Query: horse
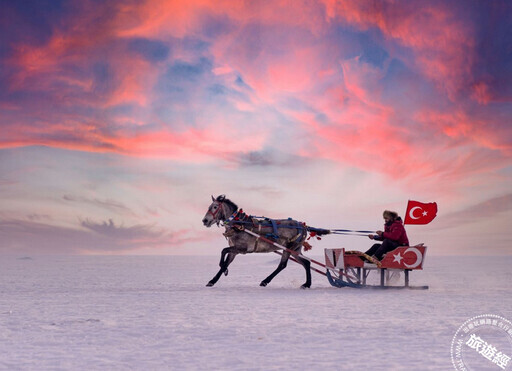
286 232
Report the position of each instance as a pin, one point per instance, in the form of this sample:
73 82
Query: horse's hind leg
307 266
280 267
223 264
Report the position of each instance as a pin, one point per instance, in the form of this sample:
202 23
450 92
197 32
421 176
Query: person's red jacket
396 232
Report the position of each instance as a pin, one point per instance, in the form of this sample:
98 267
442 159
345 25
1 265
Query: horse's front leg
223 254
224 263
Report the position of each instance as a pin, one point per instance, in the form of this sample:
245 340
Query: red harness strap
216 211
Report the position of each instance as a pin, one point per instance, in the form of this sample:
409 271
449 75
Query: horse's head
220 209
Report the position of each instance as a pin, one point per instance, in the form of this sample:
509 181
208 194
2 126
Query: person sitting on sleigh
394 235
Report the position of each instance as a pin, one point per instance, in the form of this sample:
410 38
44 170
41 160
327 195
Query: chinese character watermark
484 339
488 351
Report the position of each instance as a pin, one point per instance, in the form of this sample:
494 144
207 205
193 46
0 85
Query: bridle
220 201
216 211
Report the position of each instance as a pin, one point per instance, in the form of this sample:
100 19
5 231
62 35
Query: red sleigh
352 268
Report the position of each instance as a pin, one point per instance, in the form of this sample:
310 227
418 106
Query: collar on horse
236 216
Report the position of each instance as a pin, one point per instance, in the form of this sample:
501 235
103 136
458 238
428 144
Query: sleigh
353 268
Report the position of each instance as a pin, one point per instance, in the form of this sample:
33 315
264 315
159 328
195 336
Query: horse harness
239 221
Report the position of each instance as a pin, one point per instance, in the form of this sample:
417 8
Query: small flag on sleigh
420 213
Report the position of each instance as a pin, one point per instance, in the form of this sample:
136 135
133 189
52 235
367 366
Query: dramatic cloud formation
120 110
31 237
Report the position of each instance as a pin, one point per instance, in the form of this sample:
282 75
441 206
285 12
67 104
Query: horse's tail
314 232
317 231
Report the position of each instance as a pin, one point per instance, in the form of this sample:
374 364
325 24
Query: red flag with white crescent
420 213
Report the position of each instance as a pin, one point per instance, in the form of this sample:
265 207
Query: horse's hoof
210 284
305 286
263 284
226 272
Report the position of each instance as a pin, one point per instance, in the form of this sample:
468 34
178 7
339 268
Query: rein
233 221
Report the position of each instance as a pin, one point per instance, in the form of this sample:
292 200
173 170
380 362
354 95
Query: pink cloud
363 131
460 126
442 41
280 51
43 68
158 17
481 93
189 145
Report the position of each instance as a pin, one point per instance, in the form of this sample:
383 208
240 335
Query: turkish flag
420 213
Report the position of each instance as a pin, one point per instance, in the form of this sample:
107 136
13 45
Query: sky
120 119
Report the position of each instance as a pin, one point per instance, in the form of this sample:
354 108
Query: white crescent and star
419 257
411 212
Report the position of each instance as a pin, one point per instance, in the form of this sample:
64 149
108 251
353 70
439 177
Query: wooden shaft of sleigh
295 253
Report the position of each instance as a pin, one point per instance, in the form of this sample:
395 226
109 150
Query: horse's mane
231 204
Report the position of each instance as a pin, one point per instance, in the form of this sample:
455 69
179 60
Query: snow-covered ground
154 313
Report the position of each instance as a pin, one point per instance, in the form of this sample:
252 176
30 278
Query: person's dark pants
379 249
